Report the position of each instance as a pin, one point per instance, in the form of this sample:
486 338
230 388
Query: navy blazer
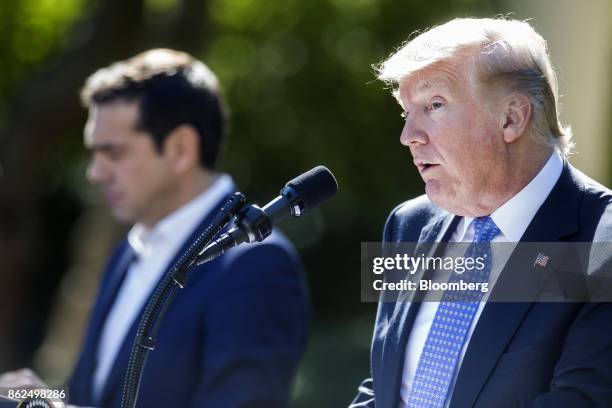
528 354
232 338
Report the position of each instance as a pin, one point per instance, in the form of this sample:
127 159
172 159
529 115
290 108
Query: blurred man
480 102
234 336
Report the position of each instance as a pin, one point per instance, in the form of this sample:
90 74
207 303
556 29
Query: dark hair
173 89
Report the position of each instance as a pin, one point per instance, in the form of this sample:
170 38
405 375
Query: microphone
254 224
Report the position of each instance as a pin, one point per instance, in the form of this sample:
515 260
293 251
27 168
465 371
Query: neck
521 171
188 187
195 185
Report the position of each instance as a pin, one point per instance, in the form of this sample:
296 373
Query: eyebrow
104 147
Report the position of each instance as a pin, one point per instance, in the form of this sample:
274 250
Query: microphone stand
163 296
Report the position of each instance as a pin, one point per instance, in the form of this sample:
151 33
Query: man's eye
115 154
435 105
404 114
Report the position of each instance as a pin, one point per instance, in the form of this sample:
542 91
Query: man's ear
516 116
182 147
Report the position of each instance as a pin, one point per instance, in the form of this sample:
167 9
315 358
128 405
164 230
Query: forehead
443 77
112 121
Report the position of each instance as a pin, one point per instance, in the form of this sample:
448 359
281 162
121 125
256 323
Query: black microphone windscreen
315 186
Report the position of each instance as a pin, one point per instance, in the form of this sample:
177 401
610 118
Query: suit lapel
116 376
557 218
116 270
438 229
404 312
107 296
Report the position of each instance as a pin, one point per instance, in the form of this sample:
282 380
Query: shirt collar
176 227
515 215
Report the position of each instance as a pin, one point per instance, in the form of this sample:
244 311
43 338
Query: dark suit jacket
232 338
528 354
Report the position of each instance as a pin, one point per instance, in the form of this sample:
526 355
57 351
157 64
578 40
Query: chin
445 201
436 193
439 199
123 217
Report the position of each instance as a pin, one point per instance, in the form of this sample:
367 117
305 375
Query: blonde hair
505 53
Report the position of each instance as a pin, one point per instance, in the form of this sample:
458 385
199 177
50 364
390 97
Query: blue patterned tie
451 324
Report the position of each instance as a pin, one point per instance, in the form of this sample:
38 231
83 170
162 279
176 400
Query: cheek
463 156
139 179
481 164
137 173
158 178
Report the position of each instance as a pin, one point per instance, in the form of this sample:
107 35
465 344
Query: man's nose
412 134
97 171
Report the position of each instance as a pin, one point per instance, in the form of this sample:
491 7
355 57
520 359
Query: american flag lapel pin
541 260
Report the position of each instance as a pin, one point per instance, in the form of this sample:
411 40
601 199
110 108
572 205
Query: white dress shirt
155 249
512 218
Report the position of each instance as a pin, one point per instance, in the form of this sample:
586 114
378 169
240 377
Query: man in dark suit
234 335
480 103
